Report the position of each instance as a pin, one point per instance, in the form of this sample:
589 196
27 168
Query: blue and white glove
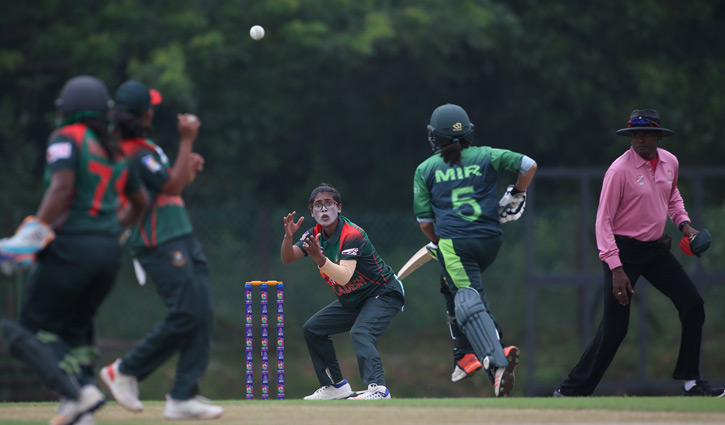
17 253
511 206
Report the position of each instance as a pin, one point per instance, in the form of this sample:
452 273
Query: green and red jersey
99 181
462 200
166 217
350 242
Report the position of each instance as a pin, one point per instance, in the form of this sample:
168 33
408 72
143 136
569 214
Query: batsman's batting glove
697 244
511 206
18 251
432 250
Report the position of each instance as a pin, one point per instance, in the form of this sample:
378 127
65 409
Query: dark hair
324 188
100 129
451 153
129 125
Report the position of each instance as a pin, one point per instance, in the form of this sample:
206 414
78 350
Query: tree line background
341 91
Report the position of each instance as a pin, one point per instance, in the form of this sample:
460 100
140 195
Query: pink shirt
636 201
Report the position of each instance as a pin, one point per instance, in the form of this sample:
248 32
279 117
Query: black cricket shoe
704 389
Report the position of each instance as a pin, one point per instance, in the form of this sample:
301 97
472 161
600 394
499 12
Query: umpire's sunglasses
641 122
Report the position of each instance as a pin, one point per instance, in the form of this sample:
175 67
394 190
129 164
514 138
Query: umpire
639 192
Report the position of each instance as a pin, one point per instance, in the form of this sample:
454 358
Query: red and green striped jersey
99 181
166 217
350 242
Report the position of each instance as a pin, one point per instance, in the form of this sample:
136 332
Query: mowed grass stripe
677 404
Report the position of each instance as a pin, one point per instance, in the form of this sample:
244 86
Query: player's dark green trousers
65 288
365 323
180 272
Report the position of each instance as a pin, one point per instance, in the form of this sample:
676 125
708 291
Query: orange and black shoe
466 367
504 378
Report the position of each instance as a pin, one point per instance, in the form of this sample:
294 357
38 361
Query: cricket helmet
83 93
448 124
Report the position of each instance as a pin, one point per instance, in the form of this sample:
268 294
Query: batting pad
25 347
478 326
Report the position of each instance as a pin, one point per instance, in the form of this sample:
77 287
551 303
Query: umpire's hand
621 286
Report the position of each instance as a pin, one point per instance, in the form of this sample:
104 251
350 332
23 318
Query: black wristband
682 224
515 191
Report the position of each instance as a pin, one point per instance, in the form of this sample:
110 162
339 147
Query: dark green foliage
341 91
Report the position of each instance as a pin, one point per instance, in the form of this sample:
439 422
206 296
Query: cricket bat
418 259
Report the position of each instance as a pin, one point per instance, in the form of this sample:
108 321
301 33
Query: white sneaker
124 388
90 398
199 398
332 392
191 409
86 419
374 392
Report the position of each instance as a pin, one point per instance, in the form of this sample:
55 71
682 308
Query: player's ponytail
451 152
128 125
99 127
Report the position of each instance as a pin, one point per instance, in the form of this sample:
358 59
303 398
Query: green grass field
520 411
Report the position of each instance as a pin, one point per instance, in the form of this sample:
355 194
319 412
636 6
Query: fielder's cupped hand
197 165
290 226
188 125
314 249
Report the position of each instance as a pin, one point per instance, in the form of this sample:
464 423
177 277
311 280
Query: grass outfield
520 411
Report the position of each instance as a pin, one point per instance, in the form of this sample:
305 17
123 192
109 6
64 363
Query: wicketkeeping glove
511 206
18 252
697 244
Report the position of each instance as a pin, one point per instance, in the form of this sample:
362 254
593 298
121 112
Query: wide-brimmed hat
644 120
134 96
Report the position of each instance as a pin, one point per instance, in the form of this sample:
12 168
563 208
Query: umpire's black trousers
666 274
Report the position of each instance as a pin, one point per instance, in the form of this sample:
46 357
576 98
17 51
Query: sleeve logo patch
58 151
351 251
162 155
151 163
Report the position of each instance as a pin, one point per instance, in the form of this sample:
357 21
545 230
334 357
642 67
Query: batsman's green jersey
166 217
350 242
99 181
462 200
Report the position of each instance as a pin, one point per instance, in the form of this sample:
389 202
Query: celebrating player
455 203
368 295
164 247
75 236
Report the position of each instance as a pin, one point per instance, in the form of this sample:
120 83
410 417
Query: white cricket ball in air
256 32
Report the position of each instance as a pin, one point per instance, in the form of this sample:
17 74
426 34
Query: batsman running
456 204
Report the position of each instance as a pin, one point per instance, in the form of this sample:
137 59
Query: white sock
689 384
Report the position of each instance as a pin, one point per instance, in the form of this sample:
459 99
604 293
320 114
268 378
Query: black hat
644 120
135 97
